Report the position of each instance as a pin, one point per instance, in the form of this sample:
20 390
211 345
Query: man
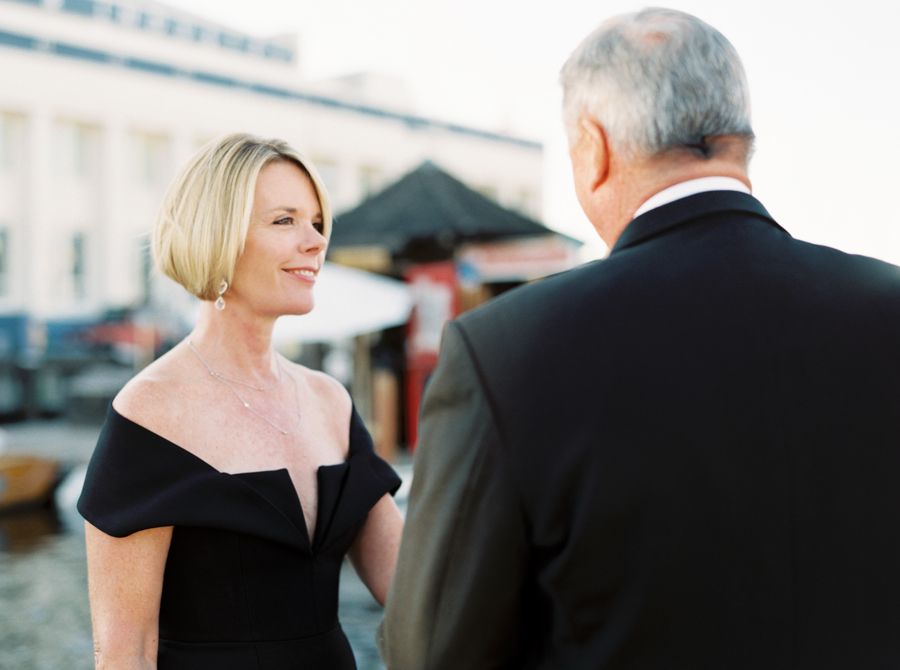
684 456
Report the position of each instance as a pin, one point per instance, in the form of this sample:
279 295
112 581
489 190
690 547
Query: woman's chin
299 309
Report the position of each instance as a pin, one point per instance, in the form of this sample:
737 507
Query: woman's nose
312 241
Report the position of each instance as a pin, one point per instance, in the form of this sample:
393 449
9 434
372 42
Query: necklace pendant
227 381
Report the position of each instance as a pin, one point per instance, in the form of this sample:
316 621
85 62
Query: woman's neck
236 344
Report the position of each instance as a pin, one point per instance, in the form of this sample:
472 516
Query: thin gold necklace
236 381
227 381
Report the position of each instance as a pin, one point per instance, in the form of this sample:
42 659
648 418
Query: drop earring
220 302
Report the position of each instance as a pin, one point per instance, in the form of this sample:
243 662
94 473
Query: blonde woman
228 483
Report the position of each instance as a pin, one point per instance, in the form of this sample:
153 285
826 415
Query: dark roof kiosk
455 247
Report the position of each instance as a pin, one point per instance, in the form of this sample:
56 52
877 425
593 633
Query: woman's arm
125 577
374 552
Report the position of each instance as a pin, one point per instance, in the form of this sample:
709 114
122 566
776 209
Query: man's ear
598 151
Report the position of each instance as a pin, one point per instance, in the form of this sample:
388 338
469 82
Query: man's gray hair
657 80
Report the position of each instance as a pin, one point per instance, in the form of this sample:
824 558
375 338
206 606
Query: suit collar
661 219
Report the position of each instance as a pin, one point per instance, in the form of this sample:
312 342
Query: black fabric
243 587
703 433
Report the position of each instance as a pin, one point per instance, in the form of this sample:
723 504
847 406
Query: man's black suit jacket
684 456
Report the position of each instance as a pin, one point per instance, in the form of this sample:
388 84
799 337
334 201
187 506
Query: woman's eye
320 227
285 221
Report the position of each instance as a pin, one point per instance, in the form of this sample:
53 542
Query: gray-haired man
683 456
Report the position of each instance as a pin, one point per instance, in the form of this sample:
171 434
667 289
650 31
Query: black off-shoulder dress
244 587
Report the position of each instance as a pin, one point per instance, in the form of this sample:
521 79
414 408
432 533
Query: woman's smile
284 238
305 274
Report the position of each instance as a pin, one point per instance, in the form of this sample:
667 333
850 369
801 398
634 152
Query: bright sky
823 77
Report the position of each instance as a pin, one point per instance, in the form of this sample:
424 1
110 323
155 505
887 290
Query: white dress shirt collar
691 187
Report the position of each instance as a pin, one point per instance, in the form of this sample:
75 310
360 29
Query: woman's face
285 248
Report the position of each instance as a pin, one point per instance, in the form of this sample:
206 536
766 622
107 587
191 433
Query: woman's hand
374 552
125 577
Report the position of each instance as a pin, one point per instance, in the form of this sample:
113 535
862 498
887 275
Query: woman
228 482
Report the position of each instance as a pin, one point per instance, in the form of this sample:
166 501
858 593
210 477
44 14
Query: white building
101 102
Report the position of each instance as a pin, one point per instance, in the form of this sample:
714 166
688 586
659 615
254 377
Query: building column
37 230
114 280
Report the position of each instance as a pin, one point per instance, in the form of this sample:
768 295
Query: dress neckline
138 479
248 476
208 464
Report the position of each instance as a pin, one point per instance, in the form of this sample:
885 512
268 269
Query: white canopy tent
349 302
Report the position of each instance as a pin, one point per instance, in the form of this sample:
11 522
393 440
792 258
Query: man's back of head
650 100
659 80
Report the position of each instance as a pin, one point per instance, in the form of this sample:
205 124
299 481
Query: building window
4 263
203 34
79 279
104 10
146 264
151 159
149 21
72 267
78 149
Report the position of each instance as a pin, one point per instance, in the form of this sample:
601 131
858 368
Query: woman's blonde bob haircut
202 224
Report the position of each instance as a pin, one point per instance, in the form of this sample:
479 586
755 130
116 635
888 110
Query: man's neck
658 174
642 179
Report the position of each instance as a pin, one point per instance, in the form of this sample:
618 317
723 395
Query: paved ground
44 611
44 614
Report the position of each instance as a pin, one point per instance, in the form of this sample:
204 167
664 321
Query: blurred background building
101 102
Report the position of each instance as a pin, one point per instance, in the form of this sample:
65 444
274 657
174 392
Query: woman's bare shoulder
160 394
326 394
321 383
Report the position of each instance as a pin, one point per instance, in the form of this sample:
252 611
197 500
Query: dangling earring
220 303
